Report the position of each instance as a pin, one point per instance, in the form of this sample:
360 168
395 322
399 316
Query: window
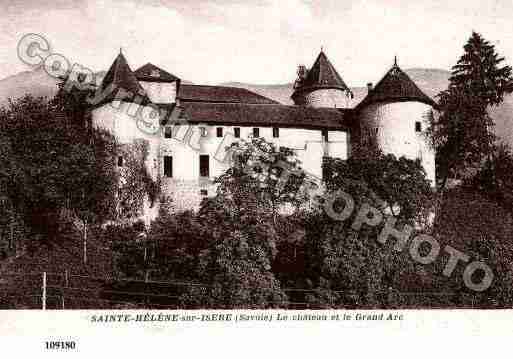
168 166
219 132
236 130
204 192
168 132
204 166
325 135
120 161
256 132
203 131
276 132
418 126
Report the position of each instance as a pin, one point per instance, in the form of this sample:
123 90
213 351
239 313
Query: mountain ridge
430 80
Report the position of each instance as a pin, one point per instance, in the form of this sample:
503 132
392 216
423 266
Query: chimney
301 71
369 87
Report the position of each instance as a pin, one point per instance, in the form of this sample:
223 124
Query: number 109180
59 345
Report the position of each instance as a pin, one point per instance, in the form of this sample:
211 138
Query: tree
494 180
235 271
480 228
11 224
462 133
400 182
177 239
236 267
348 268
263 174
58 166
479 71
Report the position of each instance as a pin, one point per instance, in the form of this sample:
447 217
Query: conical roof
121 77
152 73
322 75
396 85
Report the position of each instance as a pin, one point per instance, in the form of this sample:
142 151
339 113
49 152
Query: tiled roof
120 76
152 73
220 94
322 75
265 115
396 85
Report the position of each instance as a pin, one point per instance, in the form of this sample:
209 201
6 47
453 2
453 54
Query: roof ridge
396 85
232 87
307 108
145 72
322 74
121 76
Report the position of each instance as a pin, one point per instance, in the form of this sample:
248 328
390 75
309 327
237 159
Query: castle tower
120 77
396 114
124 109
321 86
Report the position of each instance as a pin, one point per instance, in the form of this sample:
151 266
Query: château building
185 157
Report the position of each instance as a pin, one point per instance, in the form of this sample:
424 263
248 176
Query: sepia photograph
255 161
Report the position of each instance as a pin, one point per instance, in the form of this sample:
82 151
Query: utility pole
43 298
65 286
11 227
85 241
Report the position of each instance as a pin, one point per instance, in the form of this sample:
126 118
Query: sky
256 41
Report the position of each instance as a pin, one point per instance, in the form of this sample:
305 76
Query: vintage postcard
255 175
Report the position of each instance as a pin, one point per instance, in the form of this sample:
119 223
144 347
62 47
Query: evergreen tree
462 134
479 71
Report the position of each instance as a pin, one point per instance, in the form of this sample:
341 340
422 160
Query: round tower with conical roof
395 114
321 86
124 105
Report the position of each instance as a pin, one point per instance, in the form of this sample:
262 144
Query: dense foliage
53 166
400 182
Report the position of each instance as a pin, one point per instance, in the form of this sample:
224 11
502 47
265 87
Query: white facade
396 127
185 159
185 186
